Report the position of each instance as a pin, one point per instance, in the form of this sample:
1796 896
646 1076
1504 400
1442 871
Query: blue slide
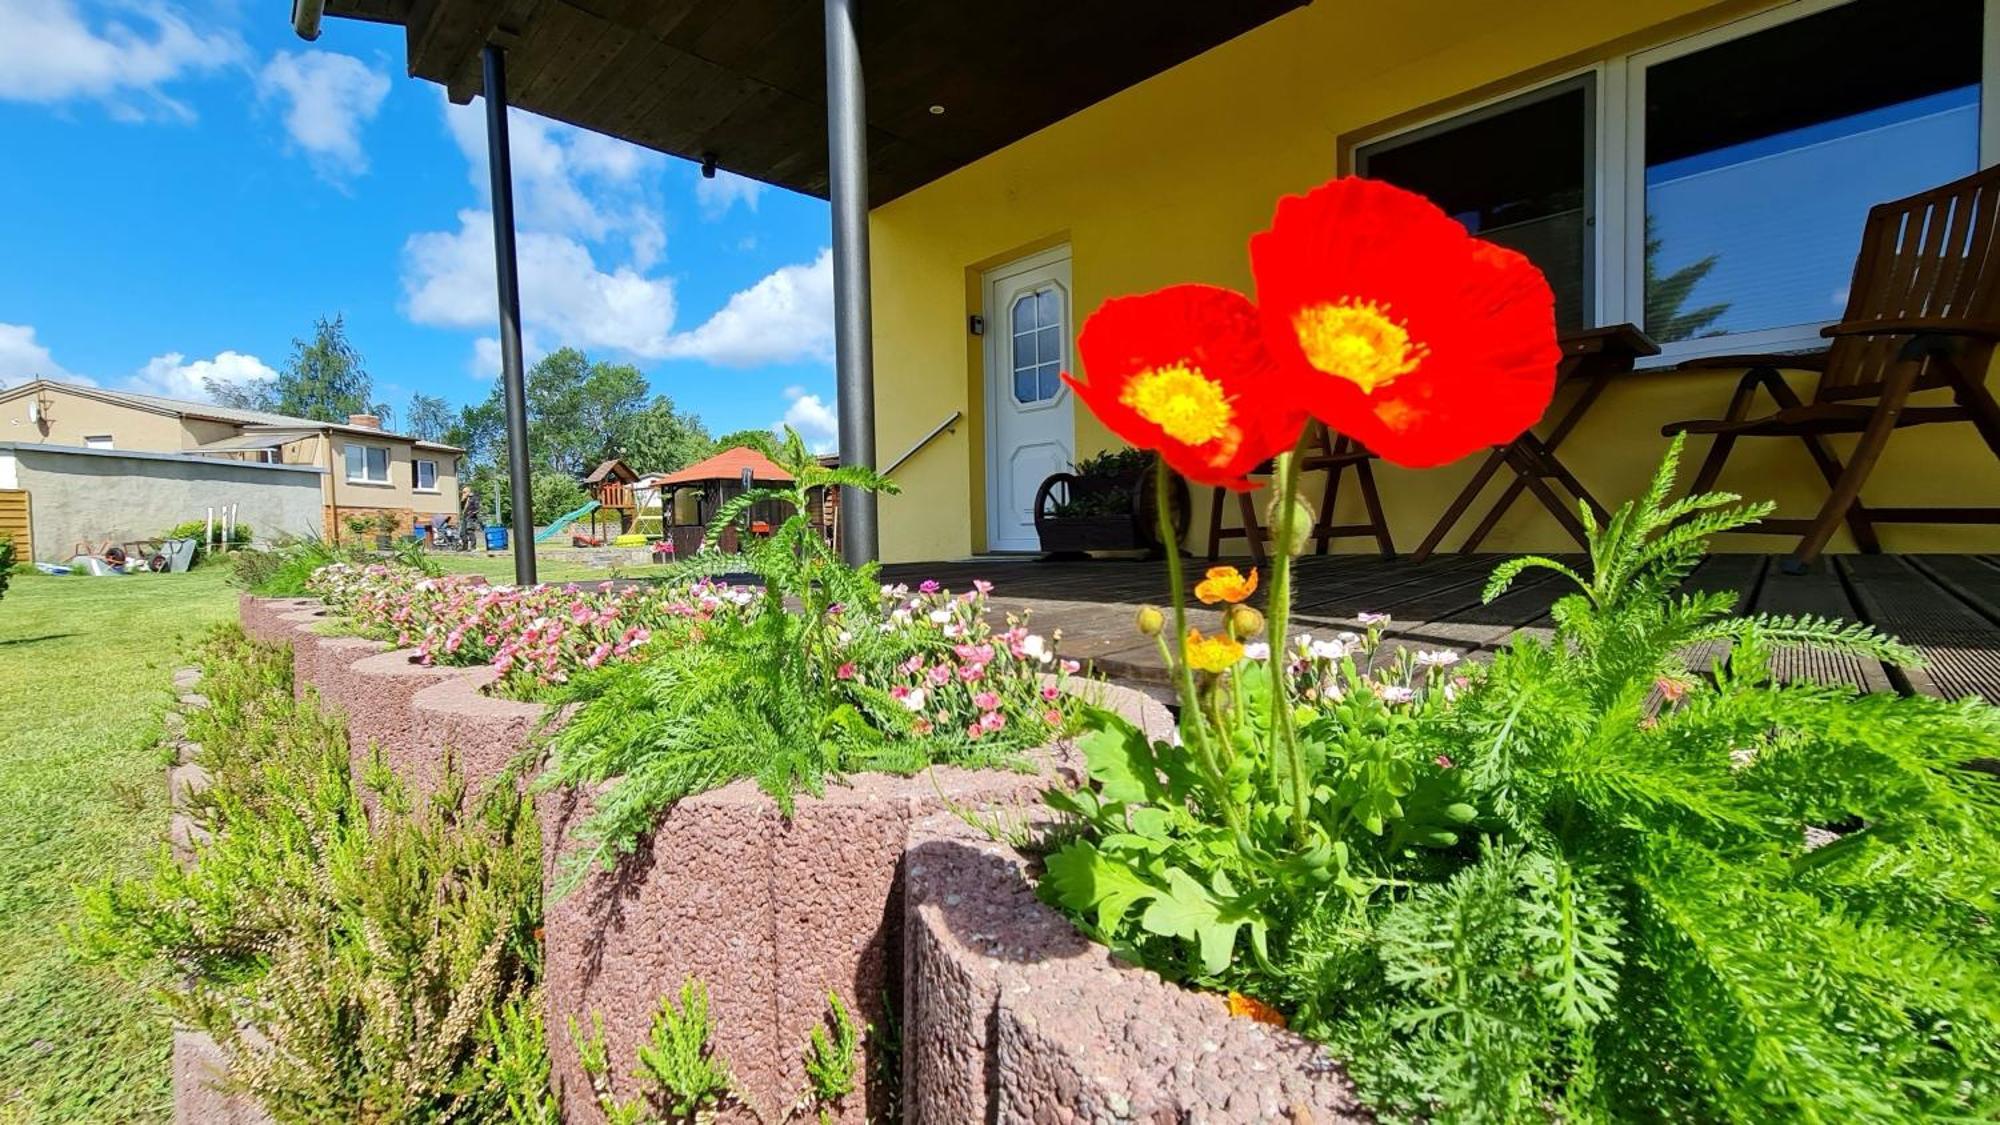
562 522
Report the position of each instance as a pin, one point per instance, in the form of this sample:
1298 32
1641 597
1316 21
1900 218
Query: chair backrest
1935 254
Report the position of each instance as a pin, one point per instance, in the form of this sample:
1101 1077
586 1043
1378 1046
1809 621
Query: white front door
1030 412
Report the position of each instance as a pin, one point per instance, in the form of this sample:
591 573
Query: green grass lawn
551 565
85 670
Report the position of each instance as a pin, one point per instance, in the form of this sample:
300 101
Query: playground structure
610 488
688 498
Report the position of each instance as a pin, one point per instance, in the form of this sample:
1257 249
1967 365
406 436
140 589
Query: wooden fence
14 522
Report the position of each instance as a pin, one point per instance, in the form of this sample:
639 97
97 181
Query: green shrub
1590 882
353 968
206 537
6 563
554 495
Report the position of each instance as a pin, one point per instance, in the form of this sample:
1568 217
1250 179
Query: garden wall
775 912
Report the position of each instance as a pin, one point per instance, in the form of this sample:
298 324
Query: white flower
915 700
1037 649
1371 620
1349 639
1436 658
940 615
900 617
1394 693
846 636
1327 650
1257 650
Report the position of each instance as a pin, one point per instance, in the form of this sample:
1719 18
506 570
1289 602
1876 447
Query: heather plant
825 672
1622 873
353 965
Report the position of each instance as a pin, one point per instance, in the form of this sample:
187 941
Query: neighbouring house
1701 169
356 468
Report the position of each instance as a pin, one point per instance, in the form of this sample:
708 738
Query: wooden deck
1947 606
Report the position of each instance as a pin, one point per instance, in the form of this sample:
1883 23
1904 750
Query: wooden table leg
1460 503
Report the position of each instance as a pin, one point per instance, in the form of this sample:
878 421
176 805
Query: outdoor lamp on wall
707 165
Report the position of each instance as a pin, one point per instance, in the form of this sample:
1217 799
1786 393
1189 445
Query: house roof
208 411
745 83
727 465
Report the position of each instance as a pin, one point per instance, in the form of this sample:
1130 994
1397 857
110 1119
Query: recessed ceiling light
936 109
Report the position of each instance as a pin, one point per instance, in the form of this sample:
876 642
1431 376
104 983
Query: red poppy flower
1398 328
1184 371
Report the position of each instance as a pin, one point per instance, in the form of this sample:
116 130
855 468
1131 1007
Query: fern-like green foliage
353 966
832 1060
1625 875
763 694
679 1073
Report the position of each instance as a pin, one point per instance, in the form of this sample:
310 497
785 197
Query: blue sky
187 185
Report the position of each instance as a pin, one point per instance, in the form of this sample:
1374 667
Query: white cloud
23 358
486 355
727 189
567 180
448 281
786 317
327 97
49 53
174 376
813 419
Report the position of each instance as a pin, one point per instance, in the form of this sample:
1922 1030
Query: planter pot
1011 1015
1123 513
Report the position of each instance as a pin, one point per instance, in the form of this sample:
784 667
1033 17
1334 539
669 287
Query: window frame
417 474
1615 277
388 463
100 441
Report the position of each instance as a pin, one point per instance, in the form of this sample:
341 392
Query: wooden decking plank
1966 577
1960 646
1820 593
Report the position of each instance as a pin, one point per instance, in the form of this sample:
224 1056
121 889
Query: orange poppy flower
1225 584
1184 371
1249 1007
1398 328
1214 654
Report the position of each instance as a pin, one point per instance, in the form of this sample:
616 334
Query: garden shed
690 497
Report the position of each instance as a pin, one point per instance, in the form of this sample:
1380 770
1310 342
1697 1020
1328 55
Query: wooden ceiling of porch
745 80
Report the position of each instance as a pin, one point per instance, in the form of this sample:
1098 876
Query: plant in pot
386 525
1104 504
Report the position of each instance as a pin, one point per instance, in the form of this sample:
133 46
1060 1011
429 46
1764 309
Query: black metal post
854 363
500 165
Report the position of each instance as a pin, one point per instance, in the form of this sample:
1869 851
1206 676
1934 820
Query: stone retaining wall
1005 1013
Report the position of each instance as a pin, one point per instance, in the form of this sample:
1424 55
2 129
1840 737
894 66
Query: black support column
847 167
500 164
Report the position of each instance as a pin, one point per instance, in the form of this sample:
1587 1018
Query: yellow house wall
73 417
1164 183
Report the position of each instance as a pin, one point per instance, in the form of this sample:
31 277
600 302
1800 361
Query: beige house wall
71 418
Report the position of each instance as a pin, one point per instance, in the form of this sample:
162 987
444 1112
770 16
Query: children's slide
563 521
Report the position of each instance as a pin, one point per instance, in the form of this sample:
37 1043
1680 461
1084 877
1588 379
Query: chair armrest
1915 326
1781 361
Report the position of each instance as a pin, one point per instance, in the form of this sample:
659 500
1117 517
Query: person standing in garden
469 524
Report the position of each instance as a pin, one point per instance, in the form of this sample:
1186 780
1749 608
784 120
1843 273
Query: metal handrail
941 427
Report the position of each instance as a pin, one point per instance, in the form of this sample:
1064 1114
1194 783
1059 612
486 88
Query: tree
323 380
660 439
427 418
555 494
763 441
1666 321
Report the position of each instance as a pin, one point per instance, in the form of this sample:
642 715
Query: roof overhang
744 83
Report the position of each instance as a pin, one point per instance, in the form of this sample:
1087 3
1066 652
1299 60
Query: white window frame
417 474
388 463
99 441
1616 291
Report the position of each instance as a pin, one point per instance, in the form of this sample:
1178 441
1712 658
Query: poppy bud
1302 524
1245 622
1151 621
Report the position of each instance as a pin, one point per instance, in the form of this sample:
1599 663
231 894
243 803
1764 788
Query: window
1712 190
97 441
1038 345
1520 173
367 464
427 476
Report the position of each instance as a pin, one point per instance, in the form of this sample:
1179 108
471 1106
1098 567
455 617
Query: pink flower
1070 667
982 586
986 701
921 726
1443 762
992 721
845 671
1052 717
973 732
940 675
1051 692
972 673
597 656
898 692
929 586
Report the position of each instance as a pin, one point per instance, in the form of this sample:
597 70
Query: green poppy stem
1192 715
1282 729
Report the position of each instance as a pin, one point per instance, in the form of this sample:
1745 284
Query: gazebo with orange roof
689 497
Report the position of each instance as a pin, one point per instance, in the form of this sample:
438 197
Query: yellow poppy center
1182 401
1357 341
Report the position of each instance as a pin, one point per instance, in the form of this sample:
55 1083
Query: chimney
364 421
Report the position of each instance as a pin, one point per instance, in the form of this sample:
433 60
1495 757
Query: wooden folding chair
1335 456
1923 313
